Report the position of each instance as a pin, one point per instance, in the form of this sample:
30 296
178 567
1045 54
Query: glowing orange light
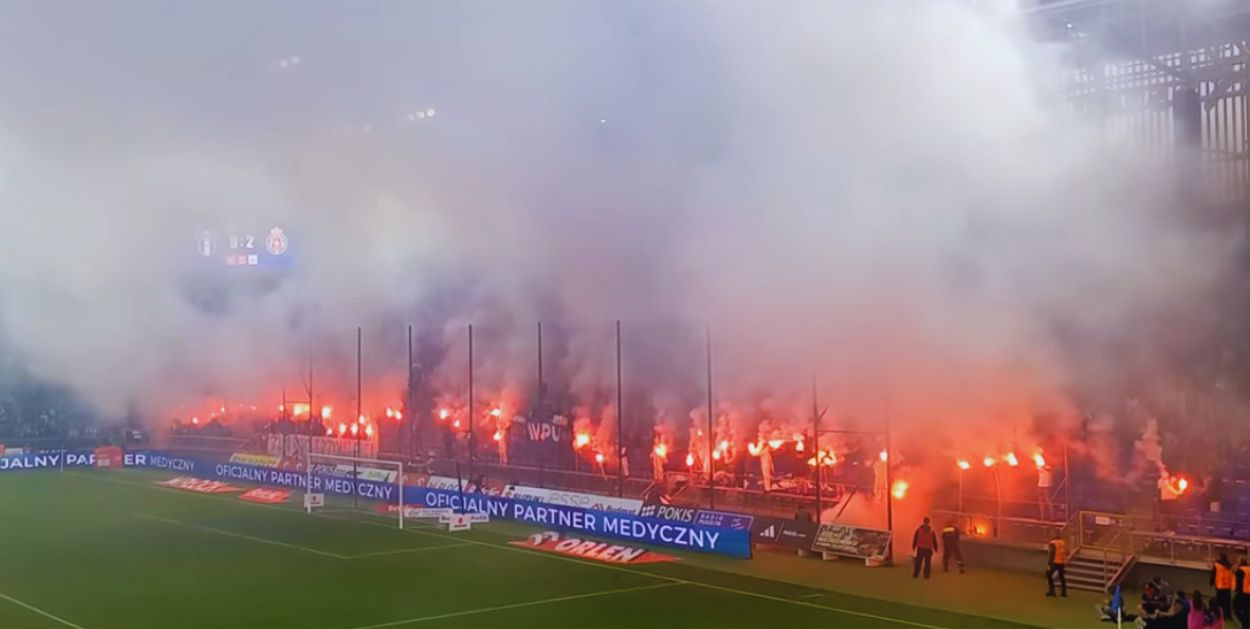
369 430
455 424
355 429
195 420
582 441
661 450
715 455
342 429
496 412
498 435
899 491
1039 460
989 461
398 415
326 411
222 409
329 431
443 413
798 445
1181 485
282 408
724 445
389 413
599 457
963 464
884 456
776 443
690 460
1011 459
754 449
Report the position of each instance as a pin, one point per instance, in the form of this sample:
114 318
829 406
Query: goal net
354 483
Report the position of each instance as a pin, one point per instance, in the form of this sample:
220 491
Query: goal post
354 482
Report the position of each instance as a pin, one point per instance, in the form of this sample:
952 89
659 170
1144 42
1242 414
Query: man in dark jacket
923 543
950 548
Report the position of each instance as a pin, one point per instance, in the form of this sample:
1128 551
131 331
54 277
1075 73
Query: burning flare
989 461
582 440
661 450
899 491
1039 460
1011 459
963 464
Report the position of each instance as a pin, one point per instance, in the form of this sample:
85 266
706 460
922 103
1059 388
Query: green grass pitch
108 549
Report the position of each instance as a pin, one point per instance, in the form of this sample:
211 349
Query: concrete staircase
1089 571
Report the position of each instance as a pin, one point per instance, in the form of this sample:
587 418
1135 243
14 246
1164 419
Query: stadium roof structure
1172 74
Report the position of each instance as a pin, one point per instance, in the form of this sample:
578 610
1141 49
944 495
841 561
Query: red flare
899 491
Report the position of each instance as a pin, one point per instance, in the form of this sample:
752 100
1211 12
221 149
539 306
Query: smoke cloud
886 197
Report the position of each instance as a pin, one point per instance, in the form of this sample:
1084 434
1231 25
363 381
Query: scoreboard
266 247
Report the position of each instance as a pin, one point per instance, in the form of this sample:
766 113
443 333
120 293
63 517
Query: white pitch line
29 607
259 540
499 608
769 597
402 551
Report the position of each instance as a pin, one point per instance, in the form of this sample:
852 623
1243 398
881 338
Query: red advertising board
266 496
186 483
553 542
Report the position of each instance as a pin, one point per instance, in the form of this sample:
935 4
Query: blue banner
734 542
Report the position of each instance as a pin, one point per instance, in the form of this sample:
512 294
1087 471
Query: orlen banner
614 524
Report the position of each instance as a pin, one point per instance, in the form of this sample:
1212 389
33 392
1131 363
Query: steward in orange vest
1056 565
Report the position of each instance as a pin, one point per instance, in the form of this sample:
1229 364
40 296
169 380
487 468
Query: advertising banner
797 534
573 499
198 485
614 524
554 542
266 496
703 517
16 460
852 541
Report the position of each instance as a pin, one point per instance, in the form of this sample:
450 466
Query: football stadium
581 313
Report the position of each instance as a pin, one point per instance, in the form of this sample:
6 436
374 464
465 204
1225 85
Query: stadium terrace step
1088 572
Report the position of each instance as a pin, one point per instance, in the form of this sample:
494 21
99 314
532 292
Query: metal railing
1139 536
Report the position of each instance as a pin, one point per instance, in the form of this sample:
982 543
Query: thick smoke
881 196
